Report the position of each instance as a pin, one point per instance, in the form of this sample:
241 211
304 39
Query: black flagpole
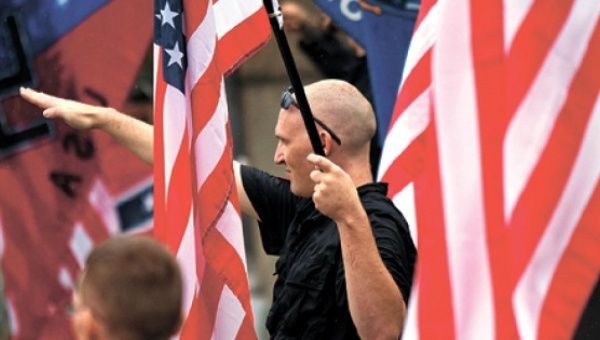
290 66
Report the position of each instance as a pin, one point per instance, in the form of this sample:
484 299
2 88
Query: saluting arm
134 134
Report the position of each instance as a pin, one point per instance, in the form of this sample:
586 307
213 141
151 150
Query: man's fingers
31 96
50 113
316 176
320 162
37 98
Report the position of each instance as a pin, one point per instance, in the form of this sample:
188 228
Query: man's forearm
375 302
134 134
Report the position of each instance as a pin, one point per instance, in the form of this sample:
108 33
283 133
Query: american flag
493 154
196 207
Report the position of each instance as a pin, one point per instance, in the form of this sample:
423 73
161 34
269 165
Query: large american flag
493 154
196 207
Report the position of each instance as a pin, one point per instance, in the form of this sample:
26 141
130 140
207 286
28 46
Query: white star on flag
168 15
176 55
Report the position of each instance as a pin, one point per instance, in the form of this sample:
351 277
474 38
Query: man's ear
87 327
325 142
98 329
83 325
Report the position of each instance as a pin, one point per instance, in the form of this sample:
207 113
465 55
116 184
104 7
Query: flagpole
292 71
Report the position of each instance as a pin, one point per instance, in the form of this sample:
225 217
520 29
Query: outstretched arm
134 134
374 299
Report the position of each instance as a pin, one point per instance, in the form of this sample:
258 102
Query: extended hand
76 114
334 194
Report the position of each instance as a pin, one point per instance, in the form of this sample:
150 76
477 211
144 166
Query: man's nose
278 157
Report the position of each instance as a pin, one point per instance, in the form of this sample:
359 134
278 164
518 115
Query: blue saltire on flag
385 37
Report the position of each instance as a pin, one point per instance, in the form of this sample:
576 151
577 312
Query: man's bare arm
245 203
134 134
375 301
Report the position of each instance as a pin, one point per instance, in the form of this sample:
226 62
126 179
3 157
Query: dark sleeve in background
274 203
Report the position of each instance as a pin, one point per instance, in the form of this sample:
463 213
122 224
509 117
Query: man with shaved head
345 254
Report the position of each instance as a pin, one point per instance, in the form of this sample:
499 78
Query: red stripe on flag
527 55
435 297
215 192
205 96
226 261
407 167
210 294
201 318
195 13
179 195
424 9
575 277
490 81
193 321
415 84
247 37
246 331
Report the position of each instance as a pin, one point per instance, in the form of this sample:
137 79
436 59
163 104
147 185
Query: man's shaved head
345 110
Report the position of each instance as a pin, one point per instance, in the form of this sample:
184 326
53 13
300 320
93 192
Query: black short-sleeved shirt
309 298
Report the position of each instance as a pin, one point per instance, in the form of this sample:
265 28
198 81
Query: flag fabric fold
197 214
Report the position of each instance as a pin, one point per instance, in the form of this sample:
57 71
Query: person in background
333 52
130 289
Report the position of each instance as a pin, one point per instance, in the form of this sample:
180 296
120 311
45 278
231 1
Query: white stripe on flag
230 226
411 123
174 121
230 315
230 13
515 12
186 257
533 286
80 243
532 124
155 54
201 46
411 325
460 174
405 201
100 199
210 144
422 40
